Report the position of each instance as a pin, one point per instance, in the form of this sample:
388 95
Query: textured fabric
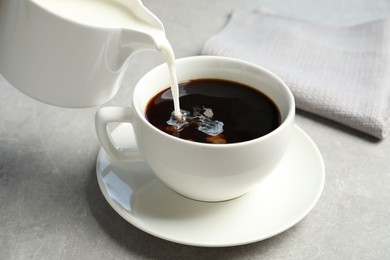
341 73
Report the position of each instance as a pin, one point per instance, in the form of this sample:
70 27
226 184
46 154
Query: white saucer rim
138 224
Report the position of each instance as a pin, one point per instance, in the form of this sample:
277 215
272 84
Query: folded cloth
341 73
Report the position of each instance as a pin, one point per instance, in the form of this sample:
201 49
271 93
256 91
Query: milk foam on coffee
201 117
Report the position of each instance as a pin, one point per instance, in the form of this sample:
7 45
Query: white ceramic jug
72 53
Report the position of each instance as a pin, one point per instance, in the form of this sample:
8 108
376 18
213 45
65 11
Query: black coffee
215 111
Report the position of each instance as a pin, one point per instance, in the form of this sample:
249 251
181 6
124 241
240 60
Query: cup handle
107 115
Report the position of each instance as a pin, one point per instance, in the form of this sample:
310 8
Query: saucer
278 203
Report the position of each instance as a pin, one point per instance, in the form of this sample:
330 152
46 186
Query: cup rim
290 114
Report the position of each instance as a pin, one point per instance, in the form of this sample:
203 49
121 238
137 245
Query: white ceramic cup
206 172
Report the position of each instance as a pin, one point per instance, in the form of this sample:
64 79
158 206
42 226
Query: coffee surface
215 111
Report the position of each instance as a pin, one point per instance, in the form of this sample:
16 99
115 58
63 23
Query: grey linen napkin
341 73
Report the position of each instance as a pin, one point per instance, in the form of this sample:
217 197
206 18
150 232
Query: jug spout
146 32
134 41
123 44
143 14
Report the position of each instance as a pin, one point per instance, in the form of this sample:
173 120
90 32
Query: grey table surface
51 206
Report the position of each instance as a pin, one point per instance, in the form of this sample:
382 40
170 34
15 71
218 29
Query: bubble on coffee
200 117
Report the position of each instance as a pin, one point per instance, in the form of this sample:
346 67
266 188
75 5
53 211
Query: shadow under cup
212 172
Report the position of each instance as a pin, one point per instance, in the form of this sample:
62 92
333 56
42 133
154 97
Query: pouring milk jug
73 53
